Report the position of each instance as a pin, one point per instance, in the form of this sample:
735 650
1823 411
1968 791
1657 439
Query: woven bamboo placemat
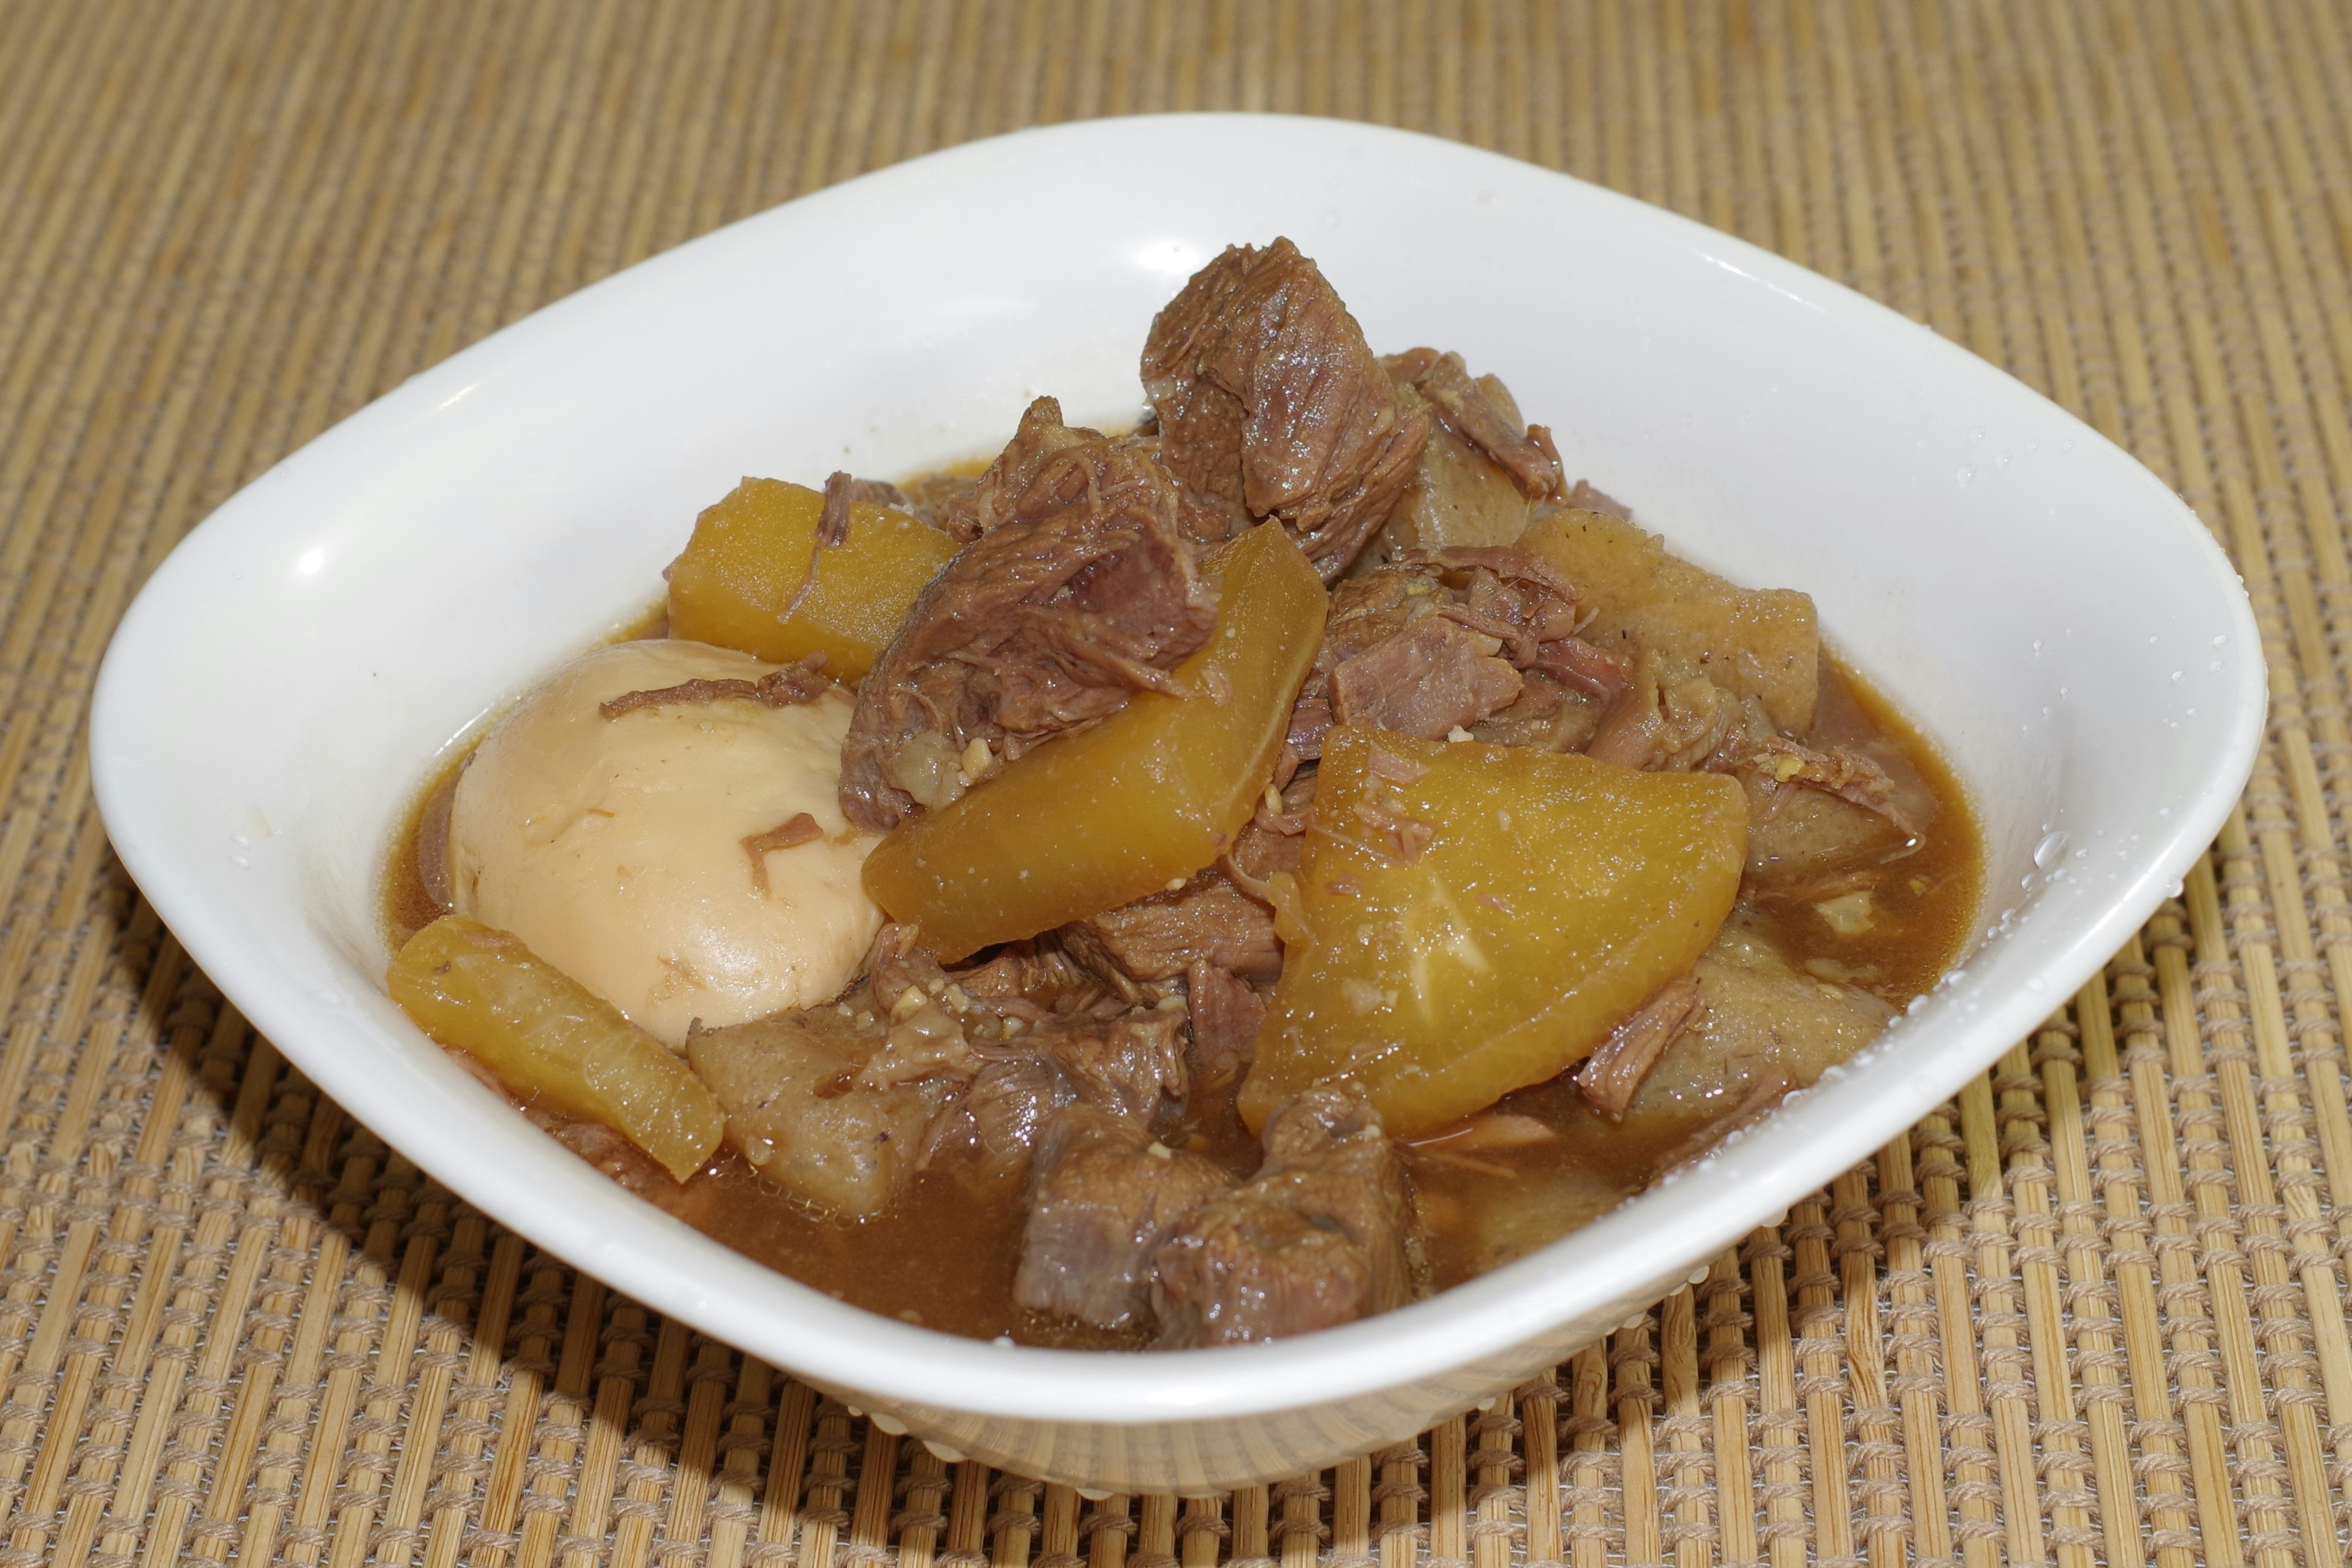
2093 1311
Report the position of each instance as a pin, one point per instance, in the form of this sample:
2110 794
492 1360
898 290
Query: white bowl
2058 621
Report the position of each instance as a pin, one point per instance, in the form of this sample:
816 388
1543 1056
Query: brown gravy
945 1257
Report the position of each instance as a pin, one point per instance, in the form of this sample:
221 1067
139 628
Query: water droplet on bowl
1966 473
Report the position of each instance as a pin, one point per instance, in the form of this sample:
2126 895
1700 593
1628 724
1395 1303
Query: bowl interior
2053 617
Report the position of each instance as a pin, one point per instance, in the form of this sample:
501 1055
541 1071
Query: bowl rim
922 1367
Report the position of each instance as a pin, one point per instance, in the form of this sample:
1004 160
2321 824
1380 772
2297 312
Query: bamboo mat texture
2092 1312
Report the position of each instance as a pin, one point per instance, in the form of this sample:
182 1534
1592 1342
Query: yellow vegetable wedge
475 987
1469 919
750 552
1148 796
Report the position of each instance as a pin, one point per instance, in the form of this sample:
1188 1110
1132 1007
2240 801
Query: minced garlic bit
1363 997
1176 884
1848 914
1160 1151
975 760
1458 733
910 1002
1273 800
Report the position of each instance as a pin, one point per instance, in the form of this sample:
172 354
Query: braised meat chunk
1319 1236
1132 1066
1270 405
1451 639
1104 1196
1207 919
1225 1015
1480 412
1078 590
1434 676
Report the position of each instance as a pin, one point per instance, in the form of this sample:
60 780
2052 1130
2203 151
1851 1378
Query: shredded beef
1270 405
1447 382
1584 497
787 687
1613 1074
1103 1197
1038 980
996 497
1132 1066
1208 919
1221 916
1781 765
1077 591
613 1154
1433 677
1476 638
844 1102
791 833
1666 725
1225 1014
942 501
1318 1238
1001 1114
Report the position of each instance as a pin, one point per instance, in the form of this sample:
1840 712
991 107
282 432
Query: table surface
2091 1310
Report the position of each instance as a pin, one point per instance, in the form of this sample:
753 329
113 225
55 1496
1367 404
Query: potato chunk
475 987
1151 795
747 558
1751 642
1469 919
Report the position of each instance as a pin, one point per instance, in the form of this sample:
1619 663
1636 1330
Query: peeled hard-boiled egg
627 852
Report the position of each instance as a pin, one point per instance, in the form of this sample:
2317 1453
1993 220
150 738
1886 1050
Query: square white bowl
2058 622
